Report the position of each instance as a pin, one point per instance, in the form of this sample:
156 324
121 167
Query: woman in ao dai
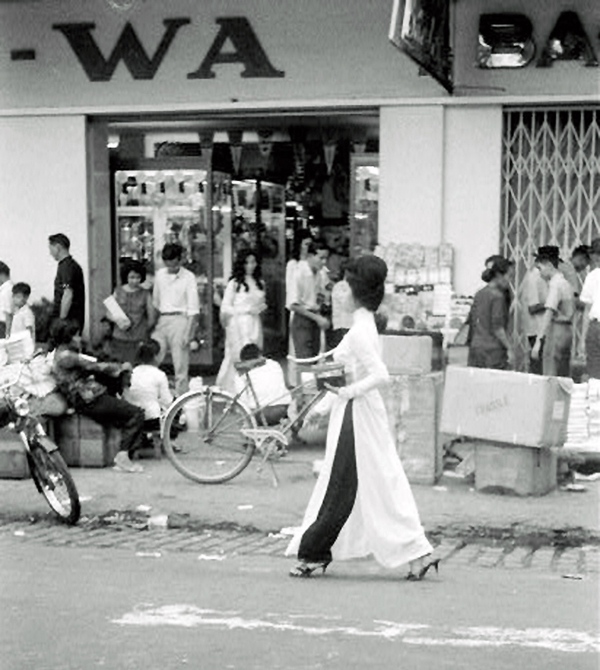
241 309
362 503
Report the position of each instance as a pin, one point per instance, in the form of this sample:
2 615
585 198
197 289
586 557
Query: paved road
82 607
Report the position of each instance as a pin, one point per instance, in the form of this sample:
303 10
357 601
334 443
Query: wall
440 182
43 191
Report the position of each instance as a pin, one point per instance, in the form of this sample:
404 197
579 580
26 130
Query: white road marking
190 616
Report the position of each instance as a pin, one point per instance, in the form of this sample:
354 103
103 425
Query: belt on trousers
173 314
563 323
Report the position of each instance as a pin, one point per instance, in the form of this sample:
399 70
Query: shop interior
216 185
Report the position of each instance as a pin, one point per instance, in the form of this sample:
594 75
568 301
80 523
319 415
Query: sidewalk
451 508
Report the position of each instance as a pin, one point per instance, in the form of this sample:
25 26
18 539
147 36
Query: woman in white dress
362 503
241 309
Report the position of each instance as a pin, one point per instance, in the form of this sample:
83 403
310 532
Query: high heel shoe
306 569
418 576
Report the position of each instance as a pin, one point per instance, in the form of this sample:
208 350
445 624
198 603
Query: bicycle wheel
54 481
202 436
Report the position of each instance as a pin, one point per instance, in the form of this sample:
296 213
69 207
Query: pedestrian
269 389
69 287
175 299
535 291
84 382
362 503
136 303
5 298
241 309
580 262
590 296
149 387
556 326
489 346
307 323
22 319
341 312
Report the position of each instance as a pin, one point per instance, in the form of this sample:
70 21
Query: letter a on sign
248 51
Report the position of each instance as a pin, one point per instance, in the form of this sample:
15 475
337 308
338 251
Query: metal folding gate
550 189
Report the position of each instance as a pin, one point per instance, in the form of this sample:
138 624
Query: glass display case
364 202
158 206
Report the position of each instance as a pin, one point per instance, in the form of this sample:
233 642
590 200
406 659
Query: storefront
220 100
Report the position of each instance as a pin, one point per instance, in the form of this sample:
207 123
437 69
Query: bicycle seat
246 366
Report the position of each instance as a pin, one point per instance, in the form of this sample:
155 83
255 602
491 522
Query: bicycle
48 469
210 436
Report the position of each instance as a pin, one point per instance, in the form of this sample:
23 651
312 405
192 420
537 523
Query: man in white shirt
307 322
175 298
5 298
590 296
535 290
556 327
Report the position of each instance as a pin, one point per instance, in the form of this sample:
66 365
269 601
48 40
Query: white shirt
305 281
149 390
5 300
590 293
176 292
268 382
23 319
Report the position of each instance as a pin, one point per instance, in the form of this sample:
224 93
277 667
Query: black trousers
114 412
306 336
317 540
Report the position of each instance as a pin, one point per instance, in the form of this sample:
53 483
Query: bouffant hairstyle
63 331
132 266
366 277
238 273
500 266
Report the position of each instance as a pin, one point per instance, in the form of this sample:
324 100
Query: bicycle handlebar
314 359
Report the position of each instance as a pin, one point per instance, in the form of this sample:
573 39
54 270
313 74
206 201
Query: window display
364 202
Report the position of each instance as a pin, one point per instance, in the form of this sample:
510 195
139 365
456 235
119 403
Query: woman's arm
360 346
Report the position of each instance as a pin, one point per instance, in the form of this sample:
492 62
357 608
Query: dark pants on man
536 366
306 336
114 412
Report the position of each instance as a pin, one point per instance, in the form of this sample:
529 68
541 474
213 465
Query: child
149 387
22 316
268 382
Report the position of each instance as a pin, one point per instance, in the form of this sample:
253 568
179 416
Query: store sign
237 30
506 41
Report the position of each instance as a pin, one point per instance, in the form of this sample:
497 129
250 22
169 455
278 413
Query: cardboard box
413 404
517 470
13 458
85 444
407 355
510 407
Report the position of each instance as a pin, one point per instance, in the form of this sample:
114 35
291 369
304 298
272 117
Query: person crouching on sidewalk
84 382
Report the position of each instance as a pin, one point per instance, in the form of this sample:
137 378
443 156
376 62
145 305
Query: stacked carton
515 419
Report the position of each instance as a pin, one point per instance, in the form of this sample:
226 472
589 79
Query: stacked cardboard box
84 443
413 404
512 416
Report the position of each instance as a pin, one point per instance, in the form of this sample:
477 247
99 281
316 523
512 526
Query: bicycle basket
329 373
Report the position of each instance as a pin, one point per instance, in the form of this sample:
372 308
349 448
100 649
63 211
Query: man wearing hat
556 327
590 296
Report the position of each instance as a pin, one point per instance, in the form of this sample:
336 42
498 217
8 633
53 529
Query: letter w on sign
129 49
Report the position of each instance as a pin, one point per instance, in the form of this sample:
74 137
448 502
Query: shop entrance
216 186
550 189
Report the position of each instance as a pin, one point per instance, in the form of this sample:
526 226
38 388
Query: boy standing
22 315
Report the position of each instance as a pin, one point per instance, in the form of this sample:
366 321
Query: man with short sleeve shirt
556 328
535 290
69 287
590 296
175 297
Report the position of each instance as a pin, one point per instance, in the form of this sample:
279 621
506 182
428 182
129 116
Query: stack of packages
583 428
515 421
413 403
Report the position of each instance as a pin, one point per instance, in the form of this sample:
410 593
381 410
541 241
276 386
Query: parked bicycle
210 436
48 469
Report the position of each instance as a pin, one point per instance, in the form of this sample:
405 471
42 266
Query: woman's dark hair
366 277
238 273
500 266
298 240
63 331
147 352
132 266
